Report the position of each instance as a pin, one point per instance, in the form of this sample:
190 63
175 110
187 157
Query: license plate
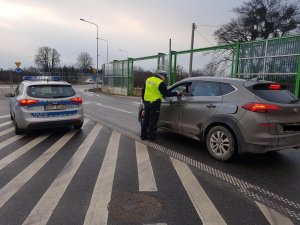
55 107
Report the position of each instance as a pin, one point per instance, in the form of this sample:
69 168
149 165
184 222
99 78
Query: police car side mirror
9 95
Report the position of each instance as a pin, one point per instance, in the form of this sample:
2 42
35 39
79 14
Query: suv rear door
202 104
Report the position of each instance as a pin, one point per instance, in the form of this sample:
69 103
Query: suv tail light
261 107
77 100
274 87
26 102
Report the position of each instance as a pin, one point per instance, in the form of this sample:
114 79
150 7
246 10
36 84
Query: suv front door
171 108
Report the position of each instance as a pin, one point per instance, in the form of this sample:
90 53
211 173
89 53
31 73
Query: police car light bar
46 78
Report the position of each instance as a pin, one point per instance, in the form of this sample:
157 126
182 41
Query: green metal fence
118 77
275 59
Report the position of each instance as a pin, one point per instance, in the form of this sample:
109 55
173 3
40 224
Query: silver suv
233 115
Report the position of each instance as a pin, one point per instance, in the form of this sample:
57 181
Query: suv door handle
211 106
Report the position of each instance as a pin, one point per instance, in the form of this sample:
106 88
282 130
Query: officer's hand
180 93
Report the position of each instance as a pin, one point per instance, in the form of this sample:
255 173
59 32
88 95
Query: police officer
153 91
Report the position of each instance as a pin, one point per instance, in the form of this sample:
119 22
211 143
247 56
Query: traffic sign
18 70
18 64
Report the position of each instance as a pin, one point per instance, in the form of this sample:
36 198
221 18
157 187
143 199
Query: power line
208 25
204 37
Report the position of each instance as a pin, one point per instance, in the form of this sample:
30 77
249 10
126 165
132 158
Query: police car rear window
50 91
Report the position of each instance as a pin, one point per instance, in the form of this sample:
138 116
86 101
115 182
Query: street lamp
97 46
106 48
124 51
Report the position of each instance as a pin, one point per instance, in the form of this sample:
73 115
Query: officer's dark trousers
150 119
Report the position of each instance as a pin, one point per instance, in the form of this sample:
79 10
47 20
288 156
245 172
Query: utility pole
192 47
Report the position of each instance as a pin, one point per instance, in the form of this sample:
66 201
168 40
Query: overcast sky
140 27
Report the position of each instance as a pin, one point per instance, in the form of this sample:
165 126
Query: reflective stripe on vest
151 91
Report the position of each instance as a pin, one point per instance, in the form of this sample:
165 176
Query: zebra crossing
78 176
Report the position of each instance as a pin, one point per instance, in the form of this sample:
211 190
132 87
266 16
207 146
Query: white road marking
97 213
203 205
19 152
113 108
5 124
44 208
14 185
145 171
10 140
274 217
6 131
156 224
138 103
4 116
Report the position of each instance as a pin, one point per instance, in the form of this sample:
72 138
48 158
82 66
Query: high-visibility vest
152 92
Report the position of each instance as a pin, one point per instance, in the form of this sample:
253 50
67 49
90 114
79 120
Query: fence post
160 61
170 68
298 78
235 63
130 76
174 68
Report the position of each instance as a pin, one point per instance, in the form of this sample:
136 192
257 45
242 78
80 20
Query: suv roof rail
255 78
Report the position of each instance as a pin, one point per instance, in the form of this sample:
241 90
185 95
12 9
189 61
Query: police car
44 102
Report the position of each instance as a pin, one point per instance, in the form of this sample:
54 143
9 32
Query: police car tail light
77 100
26 102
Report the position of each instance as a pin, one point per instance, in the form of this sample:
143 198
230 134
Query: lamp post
97 46
106 48
124 51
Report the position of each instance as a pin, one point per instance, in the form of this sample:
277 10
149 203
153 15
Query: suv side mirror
9 95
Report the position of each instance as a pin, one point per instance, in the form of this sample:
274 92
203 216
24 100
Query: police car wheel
18 130
78 126
11 116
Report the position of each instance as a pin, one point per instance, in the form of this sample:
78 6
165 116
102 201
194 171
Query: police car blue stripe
54 114
43 103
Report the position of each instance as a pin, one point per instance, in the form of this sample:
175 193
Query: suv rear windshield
50 91
280 95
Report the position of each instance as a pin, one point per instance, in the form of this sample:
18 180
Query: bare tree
55 58
47 58
260 19
84 61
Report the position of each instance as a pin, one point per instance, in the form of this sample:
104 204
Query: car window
206 89
183 87
277 95
226 88
50 91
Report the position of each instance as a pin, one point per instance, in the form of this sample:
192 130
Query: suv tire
220 143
